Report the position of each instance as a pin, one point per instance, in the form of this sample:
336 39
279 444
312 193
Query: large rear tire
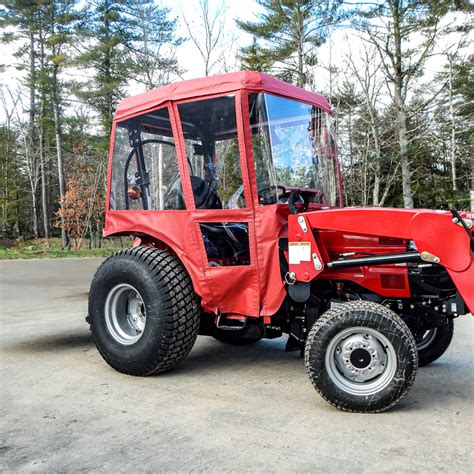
143 311
433 344
361 357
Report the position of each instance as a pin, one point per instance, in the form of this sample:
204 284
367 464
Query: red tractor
231 188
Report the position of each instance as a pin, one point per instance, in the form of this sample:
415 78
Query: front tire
361 357
143 311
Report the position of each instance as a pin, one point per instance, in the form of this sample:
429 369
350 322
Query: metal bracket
229 328
428 257
317 263
302 223
290 278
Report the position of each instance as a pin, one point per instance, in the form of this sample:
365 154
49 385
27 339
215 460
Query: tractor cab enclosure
206 168
231 189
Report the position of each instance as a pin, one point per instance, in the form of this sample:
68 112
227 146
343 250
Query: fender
177 241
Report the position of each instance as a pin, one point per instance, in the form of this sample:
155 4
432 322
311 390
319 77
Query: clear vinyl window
212 149
226 243
145 173
294 149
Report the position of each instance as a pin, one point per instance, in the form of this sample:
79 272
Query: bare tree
153 61
207 32
370 83
391 26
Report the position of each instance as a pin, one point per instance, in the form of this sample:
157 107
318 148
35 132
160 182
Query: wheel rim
125 314
361 361
426 339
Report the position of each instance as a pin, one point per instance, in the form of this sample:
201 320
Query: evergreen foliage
286 36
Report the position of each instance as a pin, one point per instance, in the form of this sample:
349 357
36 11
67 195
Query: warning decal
299 252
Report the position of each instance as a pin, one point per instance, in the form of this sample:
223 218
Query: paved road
223 409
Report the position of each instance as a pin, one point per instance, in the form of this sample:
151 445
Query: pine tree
22 16
153 43
252 58
288 34
61 19
122 43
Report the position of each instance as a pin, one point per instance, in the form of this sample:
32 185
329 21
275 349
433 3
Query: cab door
216 190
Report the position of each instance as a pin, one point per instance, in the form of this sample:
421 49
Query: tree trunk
376 190
108 71
42 149
59 153
378 153
351 160
453 129
400 107
30 143
5 192
404 161
301 82
377 150
44 194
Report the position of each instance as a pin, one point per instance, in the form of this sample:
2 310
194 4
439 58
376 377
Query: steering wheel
298 198
270 197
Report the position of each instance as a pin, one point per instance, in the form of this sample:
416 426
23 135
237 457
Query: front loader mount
435 237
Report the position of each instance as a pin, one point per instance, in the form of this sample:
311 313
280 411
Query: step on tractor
231 189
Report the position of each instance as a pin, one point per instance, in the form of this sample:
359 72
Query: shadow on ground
51 343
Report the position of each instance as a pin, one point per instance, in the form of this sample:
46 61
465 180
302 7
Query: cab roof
231 82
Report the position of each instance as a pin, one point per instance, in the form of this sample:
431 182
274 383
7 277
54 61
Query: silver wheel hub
360 357
125 314
360 361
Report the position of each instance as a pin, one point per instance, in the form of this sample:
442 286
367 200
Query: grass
52 248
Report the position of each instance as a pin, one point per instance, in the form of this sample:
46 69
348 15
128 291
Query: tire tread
328 319
181 313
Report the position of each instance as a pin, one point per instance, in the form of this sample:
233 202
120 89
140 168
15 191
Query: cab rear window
145 173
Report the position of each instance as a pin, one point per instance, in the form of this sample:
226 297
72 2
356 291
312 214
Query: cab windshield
293 149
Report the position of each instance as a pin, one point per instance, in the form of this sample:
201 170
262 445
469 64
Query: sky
242 9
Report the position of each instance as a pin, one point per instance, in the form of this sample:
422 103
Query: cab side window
145 174
212 150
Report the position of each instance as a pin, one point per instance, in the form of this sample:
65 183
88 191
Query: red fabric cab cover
253 290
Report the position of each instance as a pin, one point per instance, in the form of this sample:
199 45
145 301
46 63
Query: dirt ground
223 409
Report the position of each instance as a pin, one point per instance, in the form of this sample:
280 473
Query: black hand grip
295 198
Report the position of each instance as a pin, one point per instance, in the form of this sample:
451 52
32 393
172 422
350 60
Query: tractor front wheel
361 357
143 311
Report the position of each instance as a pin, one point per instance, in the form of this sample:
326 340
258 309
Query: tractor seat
204 196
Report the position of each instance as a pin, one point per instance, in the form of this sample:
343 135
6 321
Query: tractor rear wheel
143 311
361 357
432 344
